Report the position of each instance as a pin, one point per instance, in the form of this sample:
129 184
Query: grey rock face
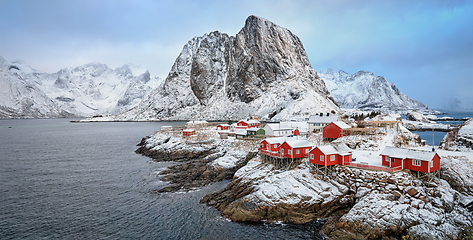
263 69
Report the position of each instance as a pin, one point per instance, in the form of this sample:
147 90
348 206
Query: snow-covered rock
87 90
263 71
417 116
364 90
459 138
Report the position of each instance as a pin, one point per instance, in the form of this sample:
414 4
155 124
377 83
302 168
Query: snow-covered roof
275 140
335 148
403 153
341 124
224 125
241 132
188 130
284 126
278 127
250 121
323 119
295 142
253 129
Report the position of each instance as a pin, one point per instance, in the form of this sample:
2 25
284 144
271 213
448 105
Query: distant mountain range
83 91
364 90
263 71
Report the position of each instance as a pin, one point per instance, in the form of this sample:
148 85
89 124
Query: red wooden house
333 154
335 130
223 127
272 144
295 148
296 132
416 160
188 132
248 123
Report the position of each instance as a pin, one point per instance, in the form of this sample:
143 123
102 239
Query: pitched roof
275 140
403 153
295 142
341 125
278 127
335 148
323 119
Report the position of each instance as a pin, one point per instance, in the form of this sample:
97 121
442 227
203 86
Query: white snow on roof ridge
408 153
341 124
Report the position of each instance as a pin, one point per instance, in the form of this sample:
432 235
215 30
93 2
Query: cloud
418 45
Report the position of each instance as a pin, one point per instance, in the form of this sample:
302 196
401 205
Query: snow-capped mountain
263 71
84 91
364 90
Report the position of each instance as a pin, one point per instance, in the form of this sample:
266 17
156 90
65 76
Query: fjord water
62 180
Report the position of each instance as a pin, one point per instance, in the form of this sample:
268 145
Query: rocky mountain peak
217 76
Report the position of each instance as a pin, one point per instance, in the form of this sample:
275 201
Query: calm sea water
438 136
62 180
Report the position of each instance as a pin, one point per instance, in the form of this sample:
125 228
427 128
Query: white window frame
332 158
416 162
306 150
275 145
289 151
311 156
282 150
322 158
388 159
297 151
431 164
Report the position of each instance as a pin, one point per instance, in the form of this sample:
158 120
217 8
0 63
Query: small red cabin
333 154
295 148
188 132
335 130
296 132
223 127
249 123
272 144
416 160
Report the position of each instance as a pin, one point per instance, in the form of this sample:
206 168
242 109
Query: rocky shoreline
194 168
353 203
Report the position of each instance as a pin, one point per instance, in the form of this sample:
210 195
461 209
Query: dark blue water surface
62 180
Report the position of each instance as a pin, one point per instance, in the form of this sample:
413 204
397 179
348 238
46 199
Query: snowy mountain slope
364 90
262 71
86 90
95 88
21 94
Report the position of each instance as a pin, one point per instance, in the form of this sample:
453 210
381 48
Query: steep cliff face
262 71
366 91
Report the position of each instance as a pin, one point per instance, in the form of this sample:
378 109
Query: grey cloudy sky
424 47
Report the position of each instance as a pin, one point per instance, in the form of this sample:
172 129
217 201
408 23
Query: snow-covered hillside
263 71
86 90
364 90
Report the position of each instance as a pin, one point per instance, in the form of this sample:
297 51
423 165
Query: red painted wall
220 127
316 159
294 154
333 131
397 162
